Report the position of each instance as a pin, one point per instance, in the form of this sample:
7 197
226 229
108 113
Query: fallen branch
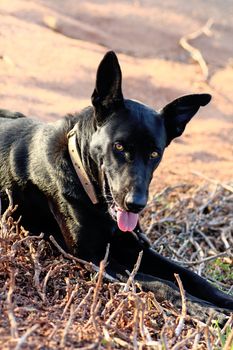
225 186
10 307
67 327
25 336
80 261
116 311
4 222
197 262
95 303
35 254
193 51
143 328
180 326
229 341
49 274
207 338
135 325
180 345
134 272
72 295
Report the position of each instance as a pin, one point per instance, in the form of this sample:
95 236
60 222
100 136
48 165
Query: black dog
85 178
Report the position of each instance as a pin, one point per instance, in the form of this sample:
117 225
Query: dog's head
130 139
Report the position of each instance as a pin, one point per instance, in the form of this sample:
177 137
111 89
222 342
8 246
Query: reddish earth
50 50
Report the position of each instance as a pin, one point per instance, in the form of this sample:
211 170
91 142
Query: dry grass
50 300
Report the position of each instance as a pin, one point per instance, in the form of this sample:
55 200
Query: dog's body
120 143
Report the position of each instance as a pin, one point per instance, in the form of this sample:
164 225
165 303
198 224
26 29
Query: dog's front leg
84 237
62 215
193 283
125 249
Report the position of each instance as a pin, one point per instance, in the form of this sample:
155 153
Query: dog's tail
4 113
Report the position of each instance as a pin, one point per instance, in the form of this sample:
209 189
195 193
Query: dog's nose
135 203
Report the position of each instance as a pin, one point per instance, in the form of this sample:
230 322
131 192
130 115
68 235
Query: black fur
35 165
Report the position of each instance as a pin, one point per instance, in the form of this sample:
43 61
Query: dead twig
10 307
80 261
25 336
193 51
180 325
133 273
67 327
208 241
35 254
70 256
73 313
180 344
229 323
95 306
116 311
229 341
143 329
136 325
72 295
15 245
216 182
207 338
224 239
209 258
196 341
49 274
4 222
199 252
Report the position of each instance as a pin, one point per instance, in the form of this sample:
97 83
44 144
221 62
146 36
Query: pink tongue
126 221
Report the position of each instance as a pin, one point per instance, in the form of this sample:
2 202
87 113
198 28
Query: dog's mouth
126 220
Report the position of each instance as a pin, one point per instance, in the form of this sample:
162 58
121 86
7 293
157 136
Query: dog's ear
107 93
179 112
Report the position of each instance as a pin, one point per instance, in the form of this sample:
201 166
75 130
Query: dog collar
78 166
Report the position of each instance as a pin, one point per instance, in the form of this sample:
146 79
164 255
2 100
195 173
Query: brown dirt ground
46 73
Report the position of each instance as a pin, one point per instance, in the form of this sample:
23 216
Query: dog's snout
135 203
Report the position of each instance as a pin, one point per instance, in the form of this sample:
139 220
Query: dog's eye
118 147
154 155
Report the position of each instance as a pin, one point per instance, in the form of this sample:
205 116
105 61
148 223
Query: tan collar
78 166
